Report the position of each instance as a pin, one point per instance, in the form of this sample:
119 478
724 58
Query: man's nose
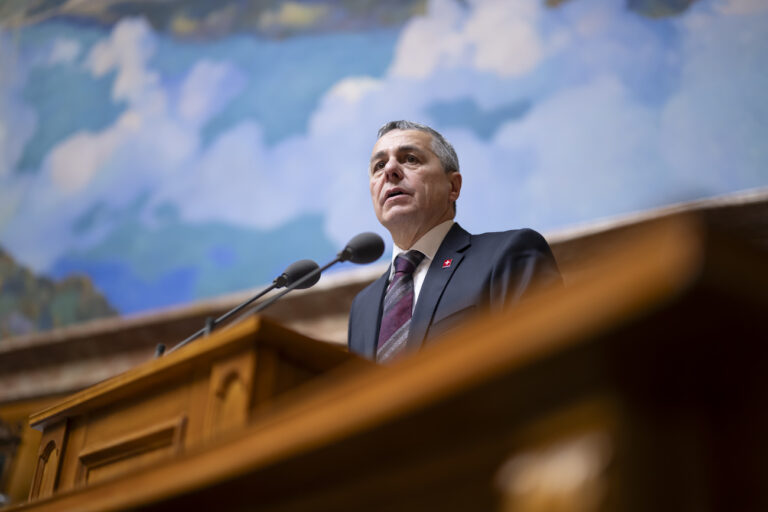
393 170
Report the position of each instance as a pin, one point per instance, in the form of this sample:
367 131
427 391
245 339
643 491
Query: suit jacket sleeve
523 264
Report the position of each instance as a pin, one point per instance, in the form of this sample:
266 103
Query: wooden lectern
174 403
641 386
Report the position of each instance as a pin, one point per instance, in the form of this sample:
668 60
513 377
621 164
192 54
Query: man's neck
406 238
427 243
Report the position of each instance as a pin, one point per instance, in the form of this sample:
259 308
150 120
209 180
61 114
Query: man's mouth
393 193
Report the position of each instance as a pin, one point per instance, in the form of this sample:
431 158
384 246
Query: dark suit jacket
487 270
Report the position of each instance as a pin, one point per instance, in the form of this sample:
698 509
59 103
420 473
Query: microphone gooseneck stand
298 271
361 249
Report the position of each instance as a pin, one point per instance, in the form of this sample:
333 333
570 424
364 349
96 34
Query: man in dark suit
440 274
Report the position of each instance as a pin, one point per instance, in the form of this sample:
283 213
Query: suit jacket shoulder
516 262
468 273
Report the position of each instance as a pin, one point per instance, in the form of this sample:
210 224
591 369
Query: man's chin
398 217
398 212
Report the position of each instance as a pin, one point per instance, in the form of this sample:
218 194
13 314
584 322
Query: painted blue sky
171 169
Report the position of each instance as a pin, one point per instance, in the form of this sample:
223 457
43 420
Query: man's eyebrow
377 155
400 149
416 149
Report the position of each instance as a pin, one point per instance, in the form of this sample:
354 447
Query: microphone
296 271
363 248
294 275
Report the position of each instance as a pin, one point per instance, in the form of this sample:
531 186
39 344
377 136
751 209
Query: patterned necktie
398 307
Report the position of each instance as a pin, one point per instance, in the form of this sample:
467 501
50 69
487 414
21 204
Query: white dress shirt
427 245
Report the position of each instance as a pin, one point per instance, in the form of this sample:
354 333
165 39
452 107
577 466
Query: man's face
410 189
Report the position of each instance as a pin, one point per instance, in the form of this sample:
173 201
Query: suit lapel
437 279
372 316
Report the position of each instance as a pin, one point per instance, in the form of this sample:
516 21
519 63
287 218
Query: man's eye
378 166
411 159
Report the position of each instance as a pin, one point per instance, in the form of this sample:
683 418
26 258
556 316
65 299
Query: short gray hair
441 147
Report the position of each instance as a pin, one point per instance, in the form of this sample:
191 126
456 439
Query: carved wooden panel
266 376
48 461
230 393
134 450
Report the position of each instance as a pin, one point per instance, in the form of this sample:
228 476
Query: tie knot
407 262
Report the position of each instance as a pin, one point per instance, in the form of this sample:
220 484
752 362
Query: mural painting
170 151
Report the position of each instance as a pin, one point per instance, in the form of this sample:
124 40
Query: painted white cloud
604 160
429 42
353 89
74 163
146 145
17 120
716 121
496 36
153 147
239 181
64 51
17 125
208 87
589 146
126 51
741 7
505 36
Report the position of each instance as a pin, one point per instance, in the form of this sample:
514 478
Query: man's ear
455 179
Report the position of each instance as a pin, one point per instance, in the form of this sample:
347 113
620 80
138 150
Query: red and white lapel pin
447 263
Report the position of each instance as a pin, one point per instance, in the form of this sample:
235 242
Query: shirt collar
427 244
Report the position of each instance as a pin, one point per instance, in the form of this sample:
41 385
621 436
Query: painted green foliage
29 303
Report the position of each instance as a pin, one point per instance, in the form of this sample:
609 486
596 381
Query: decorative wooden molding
266 377
48 461
230 393
162 440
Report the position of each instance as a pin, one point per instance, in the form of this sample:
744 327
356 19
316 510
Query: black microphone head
363 248
296 271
